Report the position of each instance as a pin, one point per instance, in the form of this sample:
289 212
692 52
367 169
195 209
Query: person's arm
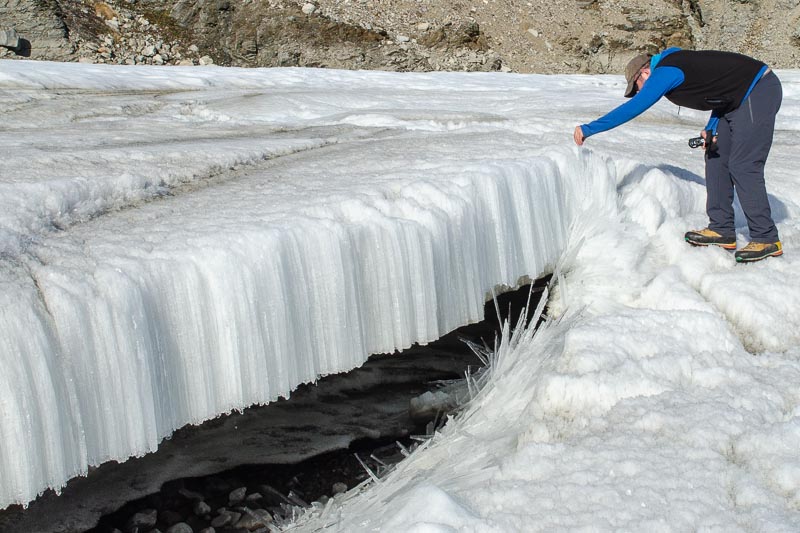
661 81
713 122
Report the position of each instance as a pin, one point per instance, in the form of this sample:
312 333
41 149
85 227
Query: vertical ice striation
41 431
131 347
118 329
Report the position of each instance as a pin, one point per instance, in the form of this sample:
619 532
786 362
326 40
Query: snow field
180 269
636 408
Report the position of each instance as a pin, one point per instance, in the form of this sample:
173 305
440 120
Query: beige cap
633 68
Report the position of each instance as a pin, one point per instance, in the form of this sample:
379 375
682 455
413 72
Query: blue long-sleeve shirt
662 80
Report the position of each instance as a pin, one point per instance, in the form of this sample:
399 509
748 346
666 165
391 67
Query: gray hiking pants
744 140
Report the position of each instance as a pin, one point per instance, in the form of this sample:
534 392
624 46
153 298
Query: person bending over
743 95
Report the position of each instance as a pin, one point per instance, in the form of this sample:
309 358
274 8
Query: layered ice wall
133 305
102 361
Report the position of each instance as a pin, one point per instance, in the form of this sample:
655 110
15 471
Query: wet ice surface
255 243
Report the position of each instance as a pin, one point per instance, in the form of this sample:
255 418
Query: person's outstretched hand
578 136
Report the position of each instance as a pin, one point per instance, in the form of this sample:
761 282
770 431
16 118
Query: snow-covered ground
179 242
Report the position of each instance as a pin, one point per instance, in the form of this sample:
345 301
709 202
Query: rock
186 63
474 58
353 34
104 11
273 495
254 519
226 518
254 497
221 520
237 495
41 30
201 508
208 530
181 527
249 47
338 488
143 520
9 39
158 60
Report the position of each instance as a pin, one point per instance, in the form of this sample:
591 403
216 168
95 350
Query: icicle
369 471
327 509
403 449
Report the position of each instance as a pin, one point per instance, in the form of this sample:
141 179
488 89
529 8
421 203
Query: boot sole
759 258
727 246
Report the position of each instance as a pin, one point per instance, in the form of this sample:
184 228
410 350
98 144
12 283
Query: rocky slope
558 36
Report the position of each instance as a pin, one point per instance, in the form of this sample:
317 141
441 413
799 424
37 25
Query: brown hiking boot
705 237
756 251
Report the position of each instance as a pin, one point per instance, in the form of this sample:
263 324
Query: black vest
712 80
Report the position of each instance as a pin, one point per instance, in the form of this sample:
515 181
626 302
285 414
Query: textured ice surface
177 243
170 256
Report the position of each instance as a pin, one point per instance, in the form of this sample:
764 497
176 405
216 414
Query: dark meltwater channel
240 472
